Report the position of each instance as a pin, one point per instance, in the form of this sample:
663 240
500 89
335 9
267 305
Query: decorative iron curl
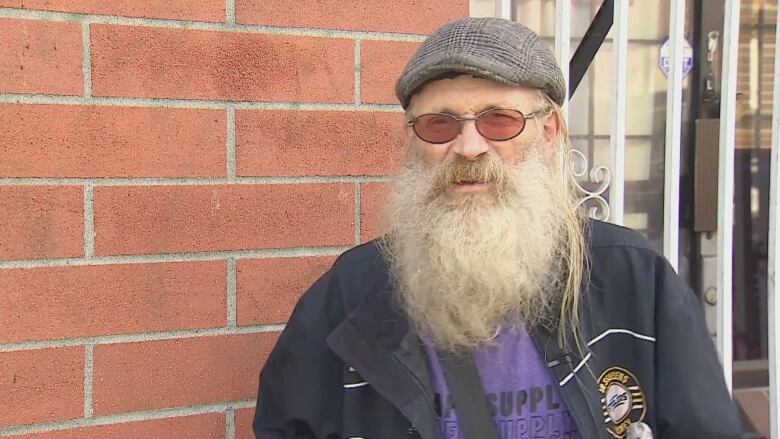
597 205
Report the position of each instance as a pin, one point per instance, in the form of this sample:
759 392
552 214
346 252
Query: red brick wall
173 175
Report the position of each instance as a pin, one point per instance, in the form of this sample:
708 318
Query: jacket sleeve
300 384
692 399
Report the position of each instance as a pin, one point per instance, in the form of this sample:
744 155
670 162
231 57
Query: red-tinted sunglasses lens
501 124
436 128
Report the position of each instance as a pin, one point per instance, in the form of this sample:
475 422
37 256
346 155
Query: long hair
576 253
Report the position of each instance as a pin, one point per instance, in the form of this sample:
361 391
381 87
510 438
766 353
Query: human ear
552 128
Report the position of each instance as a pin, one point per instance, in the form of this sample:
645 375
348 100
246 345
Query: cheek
431 154
513 153
520 148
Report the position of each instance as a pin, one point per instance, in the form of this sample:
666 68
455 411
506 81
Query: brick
87 141
40 57
244 418
208 426
172 373
41 385
203 10
83 301
409 16
197 64
381 63
41 222
275 143
268 289
372 200
170 219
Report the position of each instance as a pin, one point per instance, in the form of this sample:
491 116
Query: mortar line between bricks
89 221
88 373
357 213
230 154
137 337
147 415
357 72
293 252
230 12
231 292
86 66
230 423
187 181
210 26
201 104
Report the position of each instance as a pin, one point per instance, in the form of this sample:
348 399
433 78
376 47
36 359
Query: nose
469 144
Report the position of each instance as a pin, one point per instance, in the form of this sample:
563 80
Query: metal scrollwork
594 200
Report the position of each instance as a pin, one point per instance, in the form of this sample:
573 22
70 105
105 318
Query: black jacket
347 365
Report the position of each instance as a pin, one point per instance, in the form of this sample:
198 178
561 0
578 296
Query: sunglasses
494 124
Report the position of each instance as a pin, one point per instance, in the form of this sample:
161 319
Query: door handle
711 82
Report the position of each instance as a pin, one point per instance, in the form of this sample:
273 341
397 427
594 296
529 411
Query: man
570 328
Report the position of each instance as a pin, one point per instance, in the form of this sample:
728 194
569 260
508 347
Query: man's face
477 225
466 95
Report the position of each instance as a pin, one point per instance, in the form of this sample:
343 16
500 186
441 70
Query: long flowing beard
465 264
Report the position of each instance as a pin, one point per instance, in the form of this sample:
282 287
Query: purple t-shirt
519 387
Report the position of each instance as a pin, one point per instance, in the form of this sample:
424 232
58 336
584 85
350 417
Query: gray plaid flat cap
491 48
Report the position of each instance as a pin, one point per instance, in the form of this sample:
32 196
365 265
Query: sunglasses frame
461 119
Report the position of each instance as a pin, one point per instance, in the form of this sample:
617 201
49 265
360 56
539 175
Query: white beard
463 265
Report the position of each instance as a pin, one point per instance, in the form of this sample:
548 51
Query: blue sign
665 58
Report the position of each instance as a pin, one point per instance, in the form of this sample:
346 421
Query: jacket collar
376 340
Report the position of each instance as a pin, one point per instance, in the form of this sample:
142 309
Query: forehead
467 94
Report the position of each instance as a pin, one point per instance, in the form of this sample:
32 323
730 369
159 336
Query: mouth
470 186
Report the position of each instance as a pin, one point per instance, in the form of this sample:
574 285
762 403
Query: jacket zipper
413 429
573 409
581 388
576 410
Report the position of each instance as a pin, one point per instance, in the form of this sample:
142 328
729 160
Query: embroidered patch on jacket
622 400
